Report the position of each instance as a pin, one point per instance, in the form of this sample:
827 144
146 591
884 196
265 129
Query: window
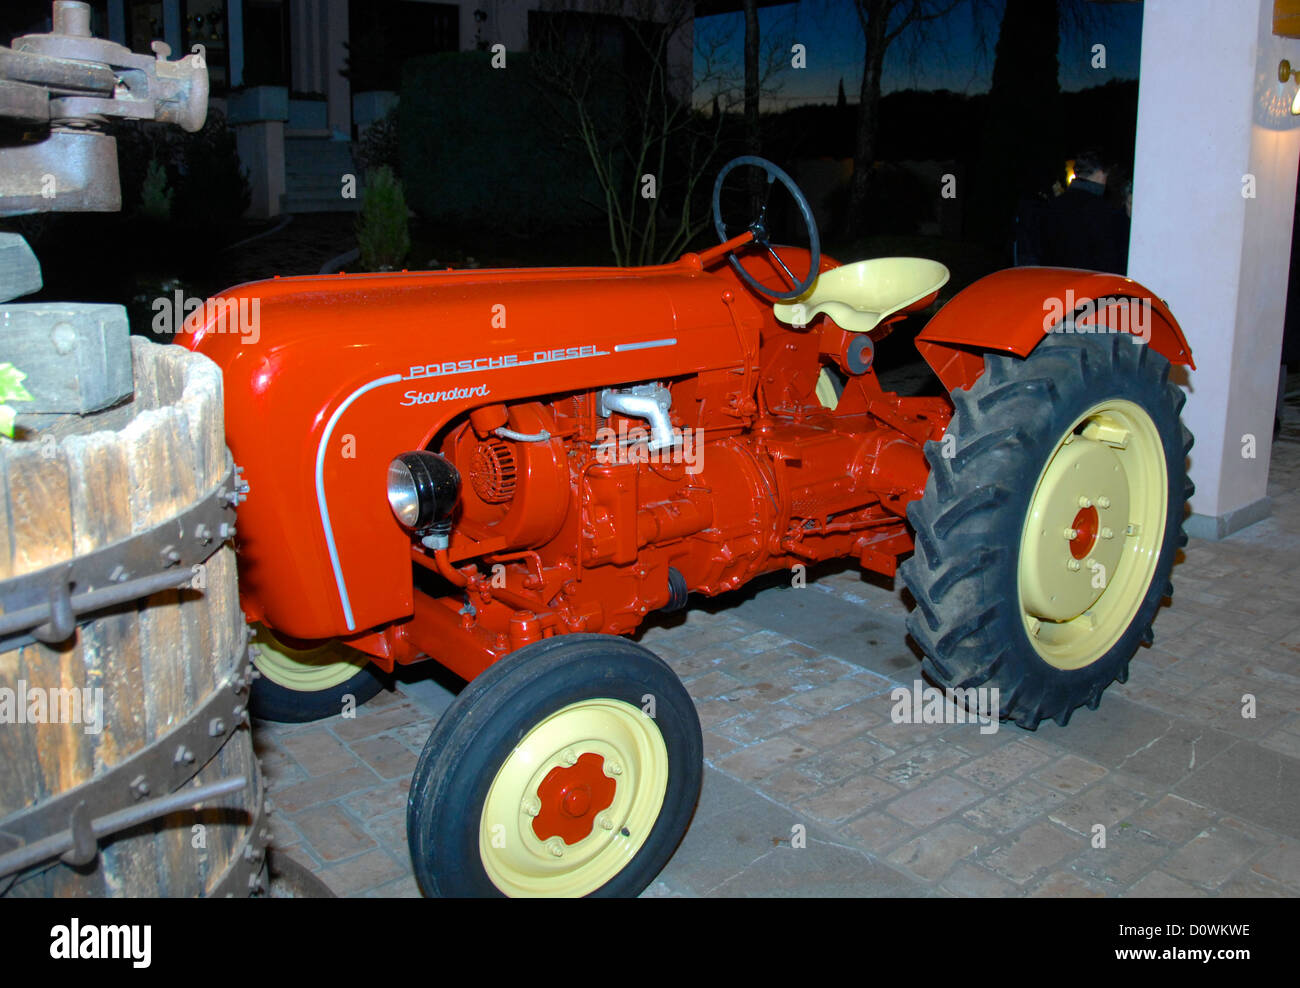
203 22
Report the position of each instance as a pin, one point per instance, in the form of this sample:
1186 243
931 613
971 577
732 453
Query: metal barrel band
79 845
48 604
245 874
125 794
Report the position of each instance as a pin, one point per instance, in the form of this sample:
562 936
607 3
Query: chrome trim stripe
645 345
320 489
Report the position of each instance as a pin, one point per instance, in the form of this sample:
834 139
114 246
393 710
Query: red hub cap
1085 524
572 797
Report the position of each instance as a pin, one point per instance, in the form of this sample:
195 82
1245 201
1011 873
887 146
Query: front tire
547 777
1048 531
298 685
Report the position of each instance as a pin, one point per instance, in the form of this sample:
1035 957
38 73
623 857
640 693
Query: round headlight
422 489
403 496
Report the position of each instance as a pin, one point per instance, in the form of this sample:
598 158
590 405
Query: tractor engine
585 512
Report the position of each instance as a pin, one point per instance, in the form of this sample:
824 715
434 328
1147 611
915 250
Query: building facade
299 80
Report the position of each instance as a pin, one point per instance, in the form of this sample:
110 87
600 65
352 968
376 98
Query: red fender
1012 310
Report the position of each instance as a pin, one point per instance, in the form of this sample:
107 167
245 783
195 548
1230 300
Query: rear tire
546 777
1004 595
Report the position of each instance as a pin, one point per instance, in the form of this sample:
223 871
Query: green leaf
6 421
11 385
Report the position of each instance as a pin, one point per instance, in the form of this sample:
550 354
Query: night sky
953 58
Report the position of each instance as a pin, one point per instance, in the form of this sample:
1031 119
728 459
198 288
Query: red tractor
507 470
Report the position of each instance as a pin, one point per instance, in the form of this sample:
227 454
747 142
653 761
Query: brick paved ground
792 687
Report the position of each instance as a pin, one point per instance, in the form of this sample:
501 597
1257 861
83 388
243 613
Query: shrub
378 145
382 231
155 194
479 148
207 188
214 192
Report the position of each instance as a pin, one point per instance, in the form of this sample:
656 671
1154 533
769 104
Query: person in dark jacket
1080 228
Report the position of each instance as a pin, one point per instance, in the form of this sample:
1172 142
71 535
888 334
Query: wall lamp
1285 74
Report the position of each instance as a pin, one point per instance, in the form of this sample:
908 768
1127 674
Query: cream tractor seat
858 297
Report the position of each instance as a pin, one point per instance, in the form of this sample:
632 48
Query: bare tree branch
618 75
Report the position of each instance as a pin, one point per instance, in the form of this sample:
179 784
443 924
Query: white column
235 39
337 88
172 33
301 41
1213 199
117 21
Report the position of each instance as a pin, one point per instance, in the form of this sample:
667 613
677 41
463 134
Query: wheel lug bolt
1103 501
557 847
1084 502
1073 565
1107 533
531 805
604 822
615 768
569 757
1071 534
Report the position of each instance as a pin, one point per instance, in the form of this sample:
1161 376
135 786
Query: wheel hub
1072 548
571 797
1085 527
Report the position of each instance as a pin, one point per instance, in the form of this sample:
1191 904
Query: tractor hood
329 377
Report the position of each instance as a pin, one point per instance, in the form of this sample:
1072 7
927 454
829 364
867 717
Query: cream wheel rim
305 670
1092 535
605 736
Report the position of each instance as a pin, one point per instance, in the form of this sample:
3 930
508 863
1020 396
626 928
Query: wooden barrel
154 790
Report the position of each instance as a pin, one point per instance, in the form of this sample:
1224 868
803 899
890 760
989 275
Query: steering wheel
760 231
